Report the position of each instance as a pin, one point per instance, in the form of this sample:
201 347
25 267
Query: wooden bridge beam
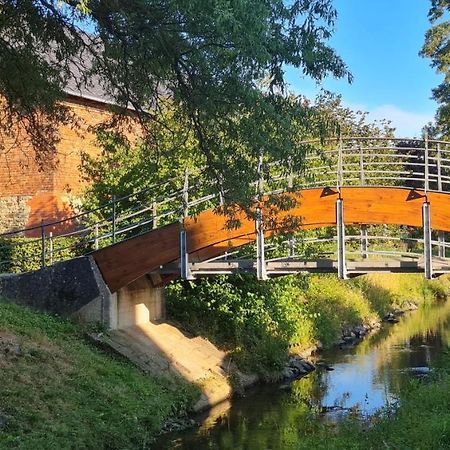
208 236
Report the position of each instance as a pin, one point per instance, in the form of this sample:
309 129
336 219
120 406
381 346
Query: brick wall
29 195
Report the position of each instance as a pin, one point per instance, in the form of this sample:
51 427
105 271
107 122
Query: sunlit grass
61 392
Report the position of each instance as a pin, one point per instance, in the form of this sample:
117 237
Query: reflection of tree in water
414 342
270 419
310 390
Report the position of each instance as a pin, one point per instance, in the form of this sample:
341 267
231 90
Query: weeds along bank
259 322
59 391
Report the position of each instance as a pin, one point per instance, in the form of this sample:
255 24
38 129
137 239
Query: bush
258 322
22 254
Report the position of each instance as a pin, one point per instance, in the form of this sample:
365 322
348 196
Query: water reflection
364 379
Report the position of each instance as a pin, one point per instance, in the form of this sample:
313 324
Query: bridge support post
291 247
364 242
342 268
261 272
427 254
185 270
441 241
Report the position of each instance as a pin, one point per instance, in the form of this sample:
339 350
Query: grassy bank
258 322
57 391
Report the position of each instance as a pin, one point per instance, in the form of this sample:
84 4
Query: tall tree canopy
437 47
220 64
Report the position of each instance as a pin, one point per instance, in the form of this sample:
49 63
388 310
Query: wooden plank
126 261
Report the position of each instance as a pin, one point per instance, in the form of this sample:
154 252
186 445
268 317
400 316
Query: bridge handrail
383 163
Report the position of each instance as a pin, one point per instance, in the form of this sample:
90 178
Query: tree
437 47
350 122
37 42
221 63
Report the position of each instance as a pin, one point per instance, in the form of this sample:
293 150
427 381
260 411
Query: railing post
291 249
261 271
290 177
364 242
185 270
42 244
114 219
154 215
426 220
441 244
342 268
362 178
427 168
439 168
340 176
50 247
221 191
96 236
186 194
260 186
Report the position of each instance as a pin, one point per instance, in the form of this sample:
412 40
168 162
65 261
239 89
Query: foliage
258 322
436 47
61 392
25 254
254 320
351 123
221 64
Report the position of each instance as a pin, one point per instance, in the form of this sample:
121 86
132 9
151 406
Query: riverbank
59 391
261 324
337 409
419 419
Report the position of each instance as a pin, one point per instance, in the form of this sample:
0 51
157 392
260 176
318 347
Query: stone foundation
76 289
14 212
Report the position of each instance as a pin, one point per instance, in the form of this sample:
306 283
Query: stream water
365 378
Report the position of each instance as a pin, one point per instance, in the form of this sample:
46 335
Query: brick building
28 195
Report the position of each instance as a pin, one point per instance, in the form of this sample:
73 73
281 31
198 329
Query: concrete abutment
76 289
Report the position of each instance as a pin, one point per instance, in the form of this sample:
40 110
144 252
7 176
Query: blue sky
380 40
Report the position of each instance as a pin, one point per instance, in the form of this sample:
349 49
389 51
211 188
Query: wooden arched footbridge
352 182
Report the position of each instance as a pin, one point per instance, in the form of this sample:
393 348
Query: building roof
86 86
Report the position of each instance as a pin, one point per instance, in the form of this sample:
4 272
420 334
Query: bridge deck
291 266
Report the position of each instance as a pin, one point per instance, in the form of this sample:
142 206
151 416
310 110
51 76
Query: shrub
21 254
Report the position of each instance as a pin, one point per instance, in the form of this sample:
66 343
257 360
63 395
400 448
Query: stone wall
76 289
14 212
72 288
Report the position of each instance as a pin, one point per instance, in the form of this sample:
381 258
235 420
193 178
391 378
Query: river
365 378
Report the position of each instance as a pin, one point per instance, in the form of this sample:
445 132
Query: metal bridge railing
350 161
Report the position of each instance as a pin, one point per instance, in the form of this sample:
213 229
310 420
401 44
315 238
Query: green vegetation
437 49
222 63
20 254
258 322
60 392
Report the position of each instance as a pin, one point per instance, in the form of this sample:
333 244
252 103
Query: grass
61 392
